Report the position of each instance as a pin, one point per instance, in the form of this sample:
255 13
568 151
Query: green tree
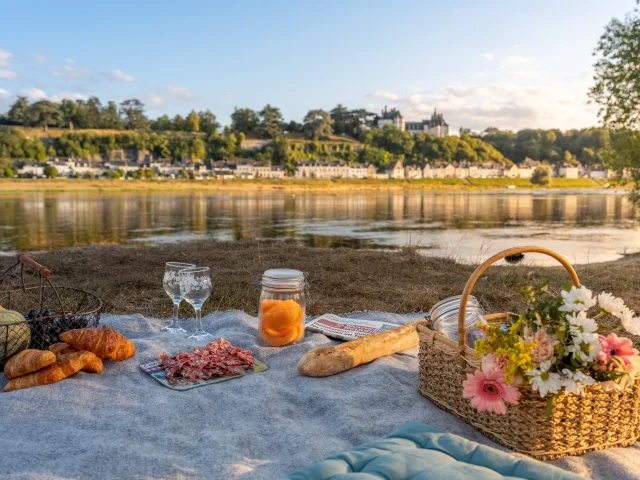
161 124
17 114
50 172
270 122
390 139
541 176
374 156
208 122
68 109
341 119
317 124
111 118
244 120
51 152
569 158
44 114
8 172
192 122
294 127
93 108
198 148
133 112
80 118
178 124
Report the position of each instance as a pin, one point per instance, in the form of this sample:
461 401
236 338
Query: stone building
436 126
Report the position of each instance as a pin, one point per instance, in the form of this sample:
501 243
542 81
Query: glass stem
199 327
176 309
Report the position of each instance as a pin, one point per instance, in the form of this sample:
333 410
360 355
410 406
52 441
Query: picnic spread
278 394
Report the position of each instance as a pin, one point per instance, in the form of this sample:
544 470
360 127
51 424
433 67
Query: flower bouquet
554 346
545 381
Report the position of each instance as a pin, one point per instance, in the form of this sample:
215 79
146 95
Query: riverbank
450 184
129 279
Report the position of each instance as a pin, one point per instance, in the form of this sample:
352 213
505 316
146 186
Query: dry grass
129 279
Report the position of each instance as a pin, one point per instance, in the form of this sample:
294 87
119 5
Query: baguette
325 361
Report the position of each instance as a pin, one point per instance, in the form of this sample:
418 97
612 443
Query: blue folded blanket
419 452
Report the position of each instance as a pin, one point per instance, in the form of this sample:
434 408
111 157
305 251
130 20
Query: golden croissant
105 342
66 366
28 361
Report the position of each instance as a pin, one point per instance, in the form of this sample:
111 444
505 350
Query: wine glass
171 285
195 286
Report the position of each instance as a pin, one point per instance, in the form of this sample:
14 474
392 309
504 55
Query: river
586 227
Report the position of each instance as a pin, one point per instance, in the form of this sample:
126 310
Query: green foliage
132 111
317 124
270 125
14 144
44 114
50 172
244 120
390 139
548 145
192 122
350 122
541 176
374 156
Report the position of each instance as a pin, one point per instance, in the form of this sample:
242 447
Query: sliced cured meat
218 358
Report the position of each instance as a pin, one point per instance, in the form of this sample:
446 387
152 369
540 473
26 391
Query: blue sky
510 64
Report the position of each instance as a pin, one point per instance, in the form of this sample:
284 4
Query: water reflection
586 227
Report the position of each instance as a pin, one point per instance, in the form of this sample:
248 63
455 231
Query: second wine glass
171 285
195 286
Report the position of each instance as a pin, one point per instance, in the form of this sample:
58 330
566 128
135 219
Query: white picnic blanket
123 424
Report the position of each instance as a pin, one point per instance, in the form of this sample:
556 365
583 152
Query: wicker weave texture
578 424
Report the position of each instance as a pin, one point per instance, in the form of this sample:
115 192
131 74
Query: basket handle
26 260
462 334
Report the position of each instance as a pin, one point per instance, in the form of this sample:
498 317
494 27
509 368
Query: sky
506 64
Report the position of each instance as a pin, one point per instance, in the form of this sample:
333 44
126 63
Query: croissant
66 366
61 349
105 342
28 361
94 364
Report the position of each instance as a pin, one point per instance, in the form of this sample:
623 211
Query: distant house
510 171
568 171
395 169
357 170
372 171
31 170
412 171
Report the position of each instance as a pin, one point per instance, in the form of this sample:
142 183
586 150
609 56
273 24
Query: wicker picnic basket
576 425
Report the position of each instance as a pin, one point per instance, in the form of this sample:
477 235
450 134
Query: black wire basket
47 311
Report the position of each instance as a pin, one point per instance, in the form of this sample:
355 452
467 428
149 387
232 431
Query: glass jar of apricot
282 307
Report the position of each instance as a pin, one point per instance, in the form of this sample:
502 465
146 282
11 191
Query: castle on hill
436 126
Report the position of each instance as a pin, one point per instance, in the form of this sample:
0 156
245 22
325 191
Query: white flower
574 382
585 348
582 328
577 299
544 381
630 323
612 305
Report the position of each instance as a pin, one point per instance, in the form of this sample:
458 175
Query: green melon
13 338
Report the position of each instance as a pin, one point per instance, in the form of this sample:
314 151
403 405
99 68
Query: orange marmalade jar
282 307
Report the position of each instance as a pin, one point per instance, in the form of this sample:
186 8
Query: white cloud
385 95
5 72
35 94
179 92
70 70
489 56
508 105
41 59
518 61
154 101
120 76
4 97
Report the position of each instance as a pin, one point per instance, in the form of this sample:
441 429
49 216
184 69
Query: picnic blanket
124 424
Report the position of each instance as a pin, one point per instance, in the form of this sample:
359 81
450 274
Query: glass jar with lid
444 318
282 309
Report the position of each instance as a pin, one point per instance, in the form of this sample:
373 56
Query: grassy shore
450 184
129 279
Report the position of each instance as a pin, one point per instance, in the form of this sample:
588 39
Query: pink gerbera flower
614 346
488 390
